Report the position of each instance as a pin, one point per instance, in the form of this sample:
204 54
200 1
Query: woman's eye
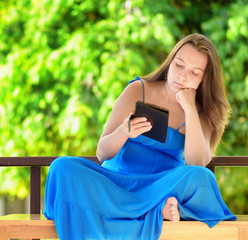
195 74
179 65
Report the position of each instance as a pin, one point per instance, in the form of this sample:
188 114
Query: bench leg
4 233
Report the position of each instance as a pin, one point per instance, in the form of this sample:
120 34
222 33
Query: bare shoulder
133 90
128 97
124 106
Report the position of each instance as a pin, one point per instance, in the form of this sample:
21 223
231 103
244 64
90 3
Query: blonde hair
211 94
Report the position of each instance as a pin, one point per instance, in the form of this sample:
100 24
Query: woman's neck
170 95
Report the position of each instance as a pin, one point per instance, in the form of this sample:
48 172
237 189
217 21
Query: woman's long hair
211 93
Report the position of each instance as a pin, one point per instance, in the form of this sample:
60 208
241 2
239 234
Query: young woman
143 181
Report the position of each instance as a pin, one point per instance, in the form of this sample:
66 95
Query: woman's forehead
191 56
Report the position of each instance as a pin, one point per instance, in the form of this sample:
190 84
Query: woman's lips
180 85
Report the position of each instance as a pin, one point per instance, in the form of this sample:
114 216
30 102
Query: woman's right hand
136 126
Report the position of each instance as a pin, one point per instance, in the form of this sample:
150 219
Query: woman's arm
197 133
116 131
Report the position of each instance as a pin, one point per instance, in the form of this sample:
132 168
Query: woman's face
187 68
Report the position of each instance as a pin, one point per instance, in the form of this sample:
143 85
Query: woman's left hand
186 98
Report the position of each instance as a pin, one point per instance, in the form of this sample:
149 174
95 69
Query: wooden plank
243 233
34 161
4 232
229 161
37 226
26 161
47 160
39 231
29 226
198 230
228 230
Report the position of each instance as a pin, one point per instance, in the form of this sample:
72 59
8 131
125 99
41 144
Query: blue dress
123 198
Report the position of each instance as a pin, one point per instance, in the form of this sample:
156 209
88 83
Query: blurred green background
64 62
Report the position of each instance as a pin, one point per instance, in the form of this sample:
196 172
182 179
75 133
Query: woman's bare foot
170 210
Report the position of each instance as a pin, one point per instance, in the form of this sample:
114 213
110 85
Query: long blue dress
123 198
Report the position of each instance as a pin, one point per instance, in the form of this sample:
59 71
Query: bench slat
37 226
46 161
34 161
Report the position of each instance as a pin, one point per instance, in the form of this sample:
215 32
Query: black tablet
157 116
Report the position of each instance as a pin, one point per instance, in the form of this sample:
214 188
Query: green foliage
233 184
63 63
228 29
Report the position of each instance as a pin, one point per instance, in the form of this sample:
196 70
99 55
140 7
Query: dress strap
184 122
181 126
137 78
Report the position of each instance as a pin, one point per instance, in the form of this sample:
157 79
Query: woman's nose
183 75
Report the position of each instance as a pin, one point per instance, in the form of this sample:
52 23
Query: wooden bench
36 226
